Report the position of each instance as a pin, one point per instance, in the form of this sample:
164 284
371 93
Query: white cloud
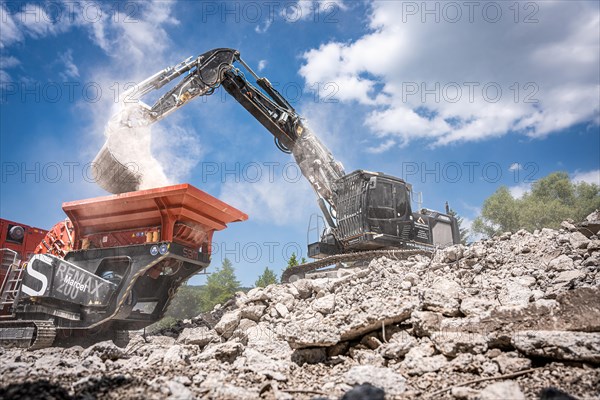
6 62
130 39
383 147
10 31
32 20
587 176
262 64
37 23
277 202
135 41
391 68
515 167
71 70
519 190
474 210
264 28
137 45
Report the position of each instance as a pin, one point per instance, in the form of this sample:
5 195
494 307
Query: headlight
163 248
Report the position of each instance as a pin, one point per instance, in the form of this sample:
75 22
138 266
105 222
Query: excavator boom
201 76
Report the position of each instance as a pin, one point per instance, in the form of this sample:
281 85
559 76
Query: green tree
464 232
187 302
550 201
220 286
500 213
587 200
267 278
293 261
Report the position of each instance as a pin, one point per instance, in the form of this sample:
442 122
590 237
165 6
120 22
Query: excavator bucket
126 163
114 176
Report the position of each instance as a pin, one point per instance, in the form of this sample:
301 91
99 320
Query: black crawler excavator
366 213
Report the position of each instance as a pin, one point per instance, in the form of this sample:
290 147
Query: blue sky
458 100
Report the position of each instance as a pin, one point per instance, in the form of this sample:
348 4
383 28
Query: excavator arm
204 74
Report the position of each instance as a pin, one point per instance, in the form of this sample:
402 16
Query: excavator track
32 335
298 272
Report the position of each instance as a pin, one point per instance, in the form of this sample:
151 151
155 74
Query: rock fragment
559 345
384 378
200 336
502 391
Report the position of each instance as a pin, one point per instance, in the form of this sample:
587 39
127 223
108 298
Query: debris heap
512 317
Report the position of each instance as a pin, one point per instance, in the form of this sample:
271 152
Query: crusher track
32 335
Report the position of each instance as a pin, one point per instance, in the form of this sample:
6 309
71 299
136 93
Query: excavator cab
374 212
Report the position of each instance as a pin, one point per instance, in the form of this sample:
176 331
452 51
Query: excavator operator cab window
388 200
381 204
388 209
401 201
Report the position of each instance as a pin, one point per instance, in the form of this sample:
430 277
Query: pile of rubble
513 317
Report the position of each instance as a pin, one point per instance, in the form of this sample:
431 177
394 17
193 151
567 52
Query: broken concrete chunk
253 313
443 297
229 321
464 393
391 382
398 346
303 287
476 305
200 336
367 357
578 240
282 310
567 277
176 355
561 263
453 253
106 350
515 295
178 391
451 344
559 345
502 391
257 294
224 352
325 304
511 362
425 322
243 329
